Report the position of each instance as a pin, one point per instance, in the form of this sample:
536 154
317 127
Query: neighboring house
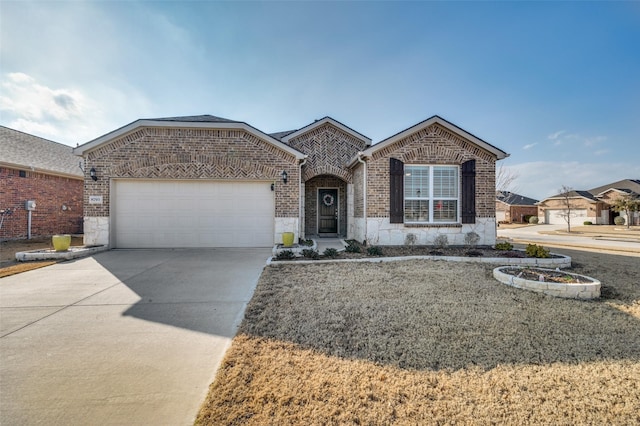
205 181
514 208
37 169
593 205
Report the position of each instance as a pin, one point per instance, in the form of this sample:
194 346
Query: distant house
514 208
593 205
42 171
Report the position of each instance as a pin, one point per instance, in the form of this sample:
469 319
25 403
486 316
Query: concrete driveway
123 337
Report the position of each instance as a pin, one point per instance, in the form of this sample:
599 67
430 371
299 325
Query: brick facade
175 153
50 193
432 145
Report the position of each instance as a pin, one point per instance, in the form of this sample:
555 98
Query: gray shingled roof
623 185
30 152
280 135
514 199
195 119
573 194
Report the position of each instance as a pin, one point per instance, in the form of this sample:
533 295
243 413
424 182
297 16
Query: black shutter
469 191
396 191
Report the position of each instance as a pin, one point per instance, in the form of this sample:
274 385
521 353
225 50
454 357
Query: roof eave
500 154
91 145
40 170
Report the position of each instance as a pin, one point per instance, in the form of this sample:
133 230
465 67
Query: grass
425 342
23 267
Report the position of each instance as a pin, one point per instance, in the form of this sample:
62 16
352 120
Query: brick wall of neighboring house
50 193
329 149
311 203
187 153
432 145
518 214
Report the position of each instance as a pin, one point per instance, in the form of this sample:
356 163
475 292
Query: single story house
46 173
206 181
593 205
514 208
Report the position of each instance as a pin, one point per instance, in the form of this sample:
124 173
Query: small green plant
285 255
310 254
307 243
506 246
587 222
353 248
533 220
534 250
374 251
330 252
441 241
618 220
410 240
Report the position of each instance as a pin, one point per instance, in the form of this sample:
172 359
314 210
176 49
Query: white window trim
431 199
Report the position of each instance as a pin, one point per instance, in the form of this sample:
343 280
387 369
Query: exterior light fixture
273 186
284 176
92 173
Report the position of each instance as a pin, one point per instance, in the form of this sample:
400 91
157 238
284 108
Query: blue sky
555 84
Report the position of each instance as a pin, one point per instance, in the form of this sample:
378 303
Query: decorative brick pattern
50 193
176 153
329 149
432 145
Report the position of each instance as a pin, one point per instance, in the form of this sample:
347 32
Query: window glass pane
416 182
445 182
445 210
416 211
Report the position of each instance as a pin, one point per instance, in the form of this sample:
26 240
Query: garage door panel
555 217
149 213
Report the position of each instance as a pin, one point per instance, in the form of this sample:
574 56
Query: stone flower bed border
74 252
587 290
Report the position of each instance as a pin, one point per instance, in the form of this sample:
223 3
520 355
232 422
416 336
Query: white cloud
555 135
530 145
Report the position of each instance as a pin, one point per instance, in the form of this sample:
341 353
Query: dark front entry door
327 211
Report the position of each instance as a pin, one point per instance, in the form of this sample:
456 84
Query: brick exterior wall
515 214
188 153
432 145
358 190
311 203
329 149
50 194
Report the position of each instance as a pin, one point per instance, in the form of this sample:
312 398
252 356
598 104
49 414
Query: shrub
534 250
526 218
374 251
285 255
410 239
441 241
307 243
506 246
471 239
587 222
352 247
310 254
619 220
330 252
533 220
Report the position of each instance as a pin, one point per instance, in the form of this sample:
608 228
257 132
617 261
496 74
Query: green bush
285 255
533 220
310 254
506 246
374 251
353 248
587 222
618 220
534 250
441 241
330 252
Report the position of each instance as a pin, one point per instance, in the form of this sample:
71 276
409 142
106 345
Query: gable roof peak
324 120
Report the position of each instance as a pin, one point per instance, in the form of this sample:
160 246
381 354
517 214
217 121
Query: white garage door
167 213
554 217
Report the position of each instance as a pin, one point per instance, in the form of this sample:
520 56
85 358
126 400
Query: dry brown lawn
431 342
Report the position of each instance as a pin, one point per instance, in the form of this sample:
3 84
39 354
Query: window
431 194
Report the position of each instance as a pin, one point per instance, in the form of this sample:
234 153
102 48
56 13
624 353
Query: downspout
300 193
364 193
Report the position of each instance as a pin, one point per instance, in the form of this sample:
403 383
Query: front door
327 211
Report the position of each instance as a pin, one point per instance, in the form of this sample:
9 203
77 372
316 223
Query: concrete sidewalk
124 337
